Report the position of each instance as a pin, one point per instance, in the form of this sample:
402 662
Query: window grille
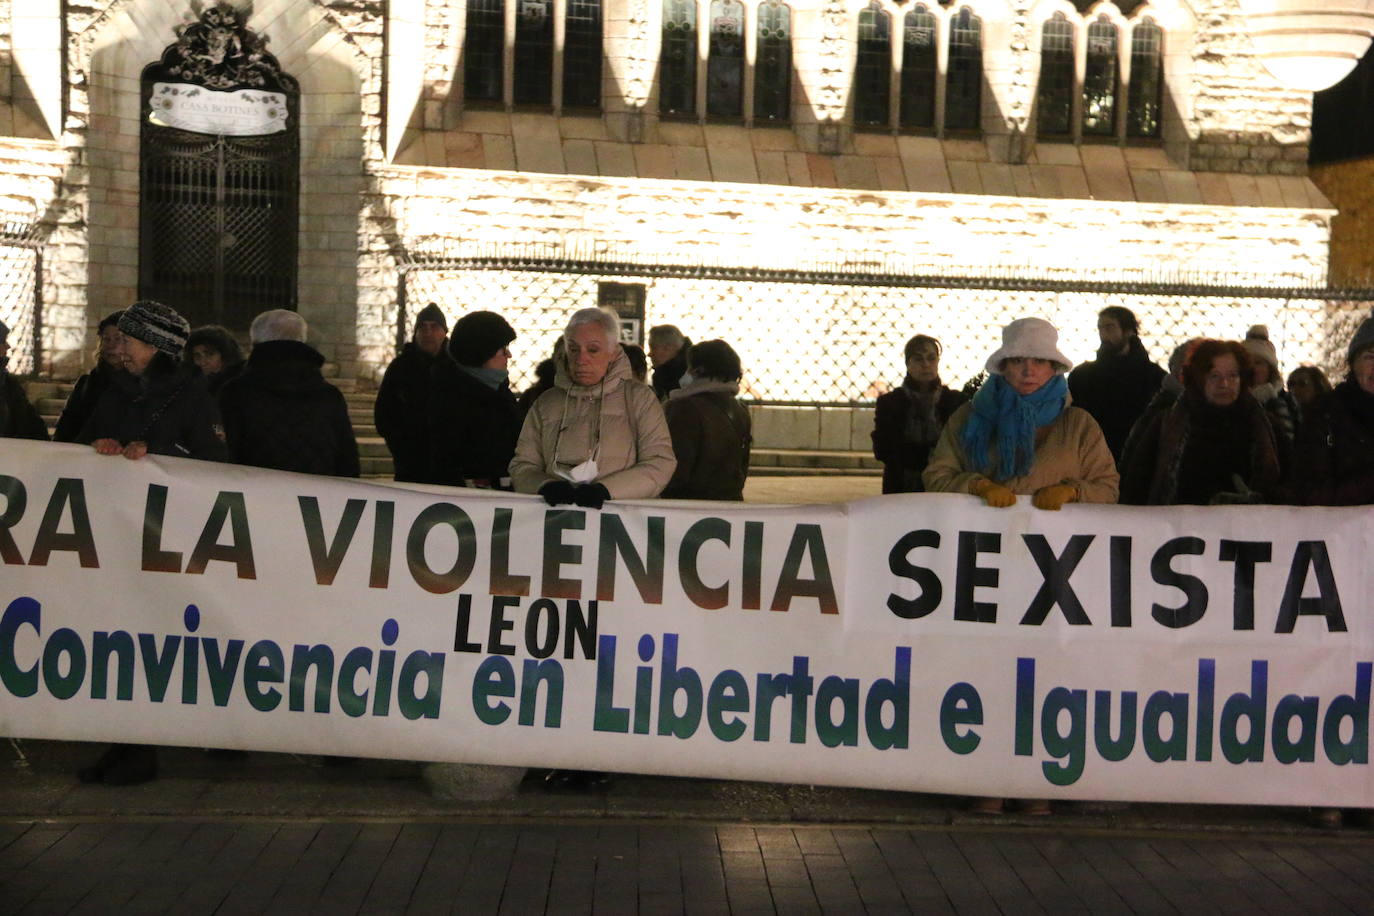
483 48
773 63
873 68
1054 100
918 68
1146 86
964 81
1100 80
533 52
725 60
677 89
582 55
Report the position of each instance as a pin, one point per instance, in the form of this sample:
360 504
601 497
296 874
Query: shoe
987 806
1326 818
1033 807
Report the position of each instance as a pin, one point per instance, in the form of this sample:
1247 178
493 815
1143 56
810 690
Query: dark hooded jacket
473 428
1333 462
402 402
280 413
18 418
1115 389
81 402
903 437
712 436
167 407
667 378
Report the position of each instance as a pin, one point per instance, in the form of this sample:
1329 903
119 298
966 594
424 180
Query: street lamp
1310 44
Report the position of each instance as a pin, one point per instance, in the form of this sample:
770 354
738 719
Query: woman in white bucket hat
1019 436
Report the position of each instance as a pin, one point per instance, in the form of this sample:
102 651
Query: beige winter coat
618 421
1070 450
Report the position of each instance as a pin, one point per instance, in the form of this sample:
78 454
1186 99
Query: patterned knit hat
1363 340
156 324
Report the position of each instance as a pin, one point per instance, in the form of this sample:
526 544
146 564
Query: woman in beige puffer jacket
597 434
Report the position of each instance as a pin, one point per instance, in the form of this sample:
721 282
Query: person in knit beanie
1267 386
474 418
160 326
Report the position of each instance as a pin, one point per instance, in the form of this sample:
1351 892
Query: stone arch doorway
219 167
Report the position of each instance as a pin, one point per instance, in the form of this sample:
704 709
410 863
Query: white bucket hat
1033 338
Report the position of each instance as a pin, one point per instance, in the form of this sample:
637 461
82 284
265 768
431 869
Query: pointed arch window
873 68
1054 98
1100 80
725 60
919 67
1146 80
677 92
964 79
553 48
773 63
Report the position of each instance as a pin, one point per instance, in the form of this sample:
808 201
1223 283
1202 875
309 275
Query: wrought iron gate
218 208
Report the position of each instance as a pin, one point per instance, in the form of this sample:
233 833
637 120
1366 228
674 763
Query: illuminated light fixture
1310 44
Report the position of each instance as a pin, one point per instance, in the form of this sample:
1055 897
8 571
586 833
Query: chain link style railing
834 335
20 287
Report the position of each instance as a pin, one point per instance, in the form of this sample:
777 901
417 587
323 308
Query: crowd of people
1218 426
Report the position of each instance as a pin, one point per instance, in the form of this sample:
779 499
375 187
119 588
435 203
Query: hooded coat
712 436
280 413
1333 463
618 421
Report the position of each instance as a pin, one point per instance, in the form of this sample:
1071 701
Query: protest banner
917 642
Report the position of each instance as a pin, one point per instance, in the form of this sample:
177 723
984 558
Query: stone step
813 458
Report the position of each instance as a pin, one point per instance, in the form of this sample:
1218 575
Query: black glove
591 495
558 492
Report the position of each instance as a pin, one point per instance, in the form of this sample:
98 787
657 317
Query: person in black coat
92 385
215 353
668 350
279 412
474 419
156 406
908 420
18 419
402 406
1117 386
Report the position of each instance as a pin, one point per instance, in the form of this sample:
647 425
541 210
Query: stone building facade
402 159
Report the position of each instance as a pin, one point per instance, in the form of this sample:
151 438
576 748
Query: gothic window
482 51
677 91
773 63
1147 65
1054 100
1100 80
964 80
918 68
873 67
540 36
582 55
725 60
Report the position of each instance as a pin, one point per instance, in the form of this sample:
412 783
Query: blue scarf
492 378
997 410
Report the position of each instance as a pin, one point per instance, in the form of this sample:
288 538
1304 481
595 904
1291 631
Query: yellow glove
994 494
1054 496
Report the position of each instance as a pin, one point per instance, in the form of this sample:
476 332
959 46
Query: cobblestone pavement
350 866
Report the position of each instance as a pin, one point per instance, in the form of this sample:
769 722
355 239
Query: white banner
242 113
905 642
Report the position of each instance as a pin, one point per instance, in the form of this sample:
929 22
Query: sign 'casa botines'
918 642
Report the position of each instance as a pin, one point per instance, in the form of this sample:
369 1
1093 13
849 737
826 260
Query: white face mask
584 473
687 378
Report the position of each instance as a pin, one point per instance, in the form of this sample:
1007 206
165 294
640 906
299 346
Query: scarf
997 410
492 378
922 422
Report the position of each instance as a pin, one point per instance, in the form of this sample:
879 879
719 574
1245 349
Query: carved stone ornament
219 51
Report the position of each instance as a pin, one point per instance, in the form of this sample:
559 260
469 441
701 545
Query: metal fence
835 335
21 270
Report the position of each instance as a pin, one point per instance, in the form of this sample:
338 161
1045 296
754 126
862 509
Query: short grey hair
278 324
608 320
668 335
